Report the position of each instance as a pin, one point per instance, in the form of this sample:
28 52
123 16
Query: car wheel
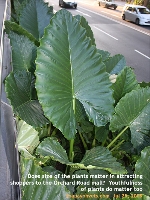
75 7
115 8
137 21
59 3
123 17
99 4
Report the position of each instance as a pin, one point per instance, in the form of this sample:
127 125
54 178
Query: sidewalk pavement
120 3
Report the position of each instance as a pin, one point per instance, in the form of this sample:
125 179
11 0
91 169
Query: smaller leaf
105 54
27 138
115 64
51 147
14 27
142 168
18 87
101 158
18 4
35 16
133 111
125 83
23 52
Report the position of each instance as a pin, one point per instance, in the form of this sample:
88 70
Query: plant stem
103 143
54 132
117 145
117 137
67 169
83 141
93 143
71 153
49 129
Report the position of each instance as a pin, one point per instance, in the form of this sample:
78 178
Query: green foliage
20 89
80 110
138 2
85 25
23 52
143 167
115 64
102 158
72 78
51 147
34 190
125 83
35 16
16 28
27 138
142 2
133 110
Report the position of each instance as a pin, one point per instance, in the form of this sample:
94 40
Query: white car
137 14
66 3
107 4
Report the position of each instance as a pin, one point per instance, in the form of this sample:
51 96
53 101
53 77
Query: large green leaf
125 83
85 25
115 64
16 28
18 88
35 16
69 70
27 138
23 52
101 158
142 168
51 147
96 158
133 110
41 184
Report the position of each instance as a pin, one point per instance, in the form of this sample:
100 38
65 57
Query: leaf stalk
71 152
83 141
117 137
117 145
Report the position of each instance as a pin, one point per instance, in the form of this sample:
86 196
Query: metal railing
9 170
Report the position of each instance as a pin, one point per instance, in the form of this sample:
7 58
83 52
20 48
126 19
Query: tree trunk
146 2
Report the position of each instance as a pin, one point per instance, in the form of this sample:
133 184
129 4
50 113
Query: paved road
117 36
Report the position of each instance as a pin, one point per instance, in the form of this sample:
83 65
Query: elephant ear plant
79 111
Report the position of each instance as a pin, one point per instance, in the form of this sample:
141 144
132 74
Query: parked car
107 4
137 14
69 3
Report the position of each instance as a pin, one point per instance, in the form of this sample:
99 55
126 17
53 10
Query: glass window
129 8
144 11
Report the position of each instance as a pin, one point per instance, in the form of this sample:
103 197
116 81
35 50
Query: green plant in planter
79 110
